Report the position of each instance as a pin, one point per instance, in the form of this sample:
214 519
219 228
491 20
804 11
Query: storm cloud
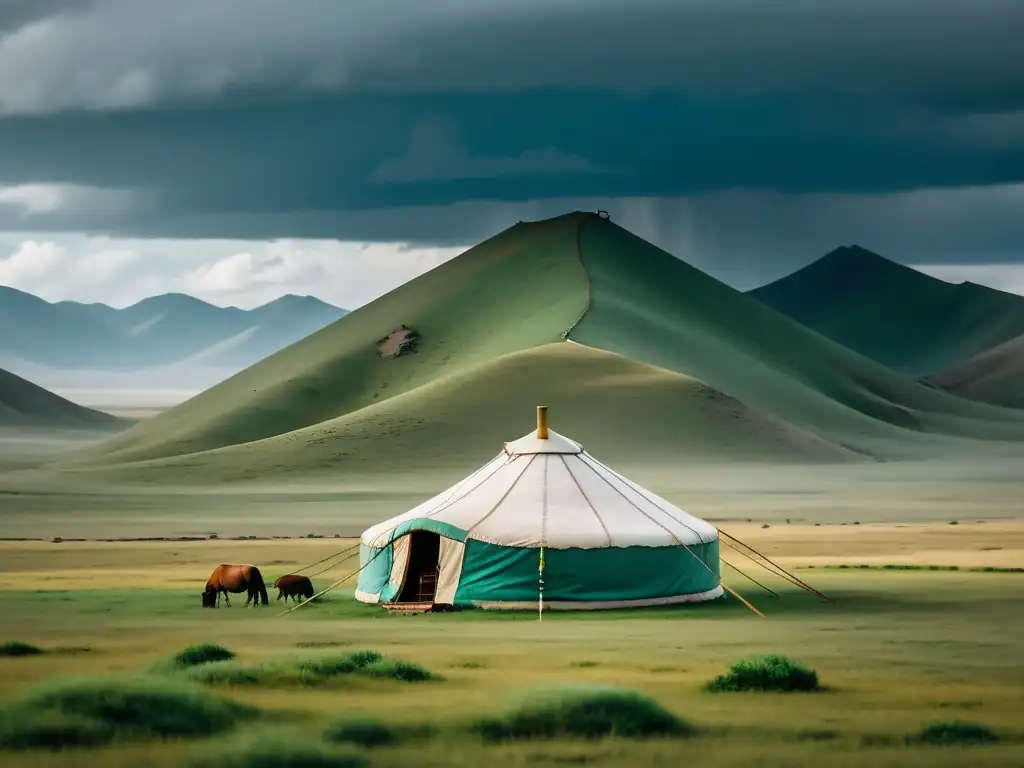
746 136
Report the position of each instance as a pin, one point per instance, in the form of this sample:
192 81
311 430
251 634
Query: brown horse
294 586
235 578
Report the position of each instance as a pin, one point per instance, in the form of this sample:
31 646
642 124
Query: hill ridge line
586 276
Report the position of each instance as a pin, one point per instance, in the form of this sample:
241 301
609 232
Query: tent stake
774 571
338 583
748 576
743 600
802 583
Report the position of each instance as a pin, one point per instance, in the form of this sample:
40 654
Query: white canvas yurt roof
545 490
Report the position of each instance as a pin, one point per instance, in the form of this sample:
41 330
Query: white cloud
1002 277
230 274
436 153
30 199
47 199
102 266
243 273
31 266
50 270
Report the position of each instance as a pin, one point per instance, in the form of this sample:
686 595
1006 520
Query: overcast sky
241 149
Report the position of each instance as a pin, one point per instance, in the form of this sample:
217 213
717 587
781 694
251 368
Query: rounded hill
995 376
626 412
520 289
24 404
433 373
907 320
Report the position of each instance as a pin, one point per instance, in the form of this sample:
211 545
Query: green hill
520 289
902 318
628 412
995 376
23 404
669 365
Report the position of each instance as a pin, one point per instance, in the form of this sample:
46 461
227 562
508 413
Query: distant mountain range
893 314
162 334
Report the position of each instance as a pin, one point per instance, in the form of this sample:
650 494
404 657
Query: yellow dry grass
174 564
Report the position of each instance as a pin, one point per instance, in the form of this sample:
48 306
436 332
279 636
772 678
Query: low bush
18 648
588 713
97 711
193 656
396 669
770 672
363 732
204 653
953 734
332 666
306 672
52 730
236 673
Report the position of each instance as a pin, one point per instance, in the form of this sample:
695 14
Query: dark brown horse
235 578
294 586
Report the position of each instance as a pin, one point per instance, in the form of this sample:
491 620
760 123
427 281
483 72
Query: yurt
543 524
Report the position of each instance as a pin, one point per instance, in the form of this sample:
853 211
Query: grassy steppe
896 651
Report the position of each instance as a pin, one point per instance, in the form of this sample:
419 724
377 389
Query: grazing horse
235 578
294 587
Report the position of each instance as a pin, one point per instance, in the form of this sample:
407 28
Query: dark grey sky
748 137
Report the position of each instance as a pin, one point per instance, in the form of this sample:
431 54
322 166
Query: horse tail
257 578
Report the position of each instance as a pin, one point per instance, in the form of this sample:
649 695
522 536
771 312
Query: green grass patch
270 752
363 732
396 669
955 734
583 713
770 672
231 673
306 672
98 711
194 656
13 648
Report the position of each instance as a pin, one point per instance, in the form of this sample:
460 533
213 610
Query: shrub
314 671
770 672
950 734
397 669
588 713
273 753
234 673
364 658
363 732
96 711
204 653
52 730
194 656
332 666
17 648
